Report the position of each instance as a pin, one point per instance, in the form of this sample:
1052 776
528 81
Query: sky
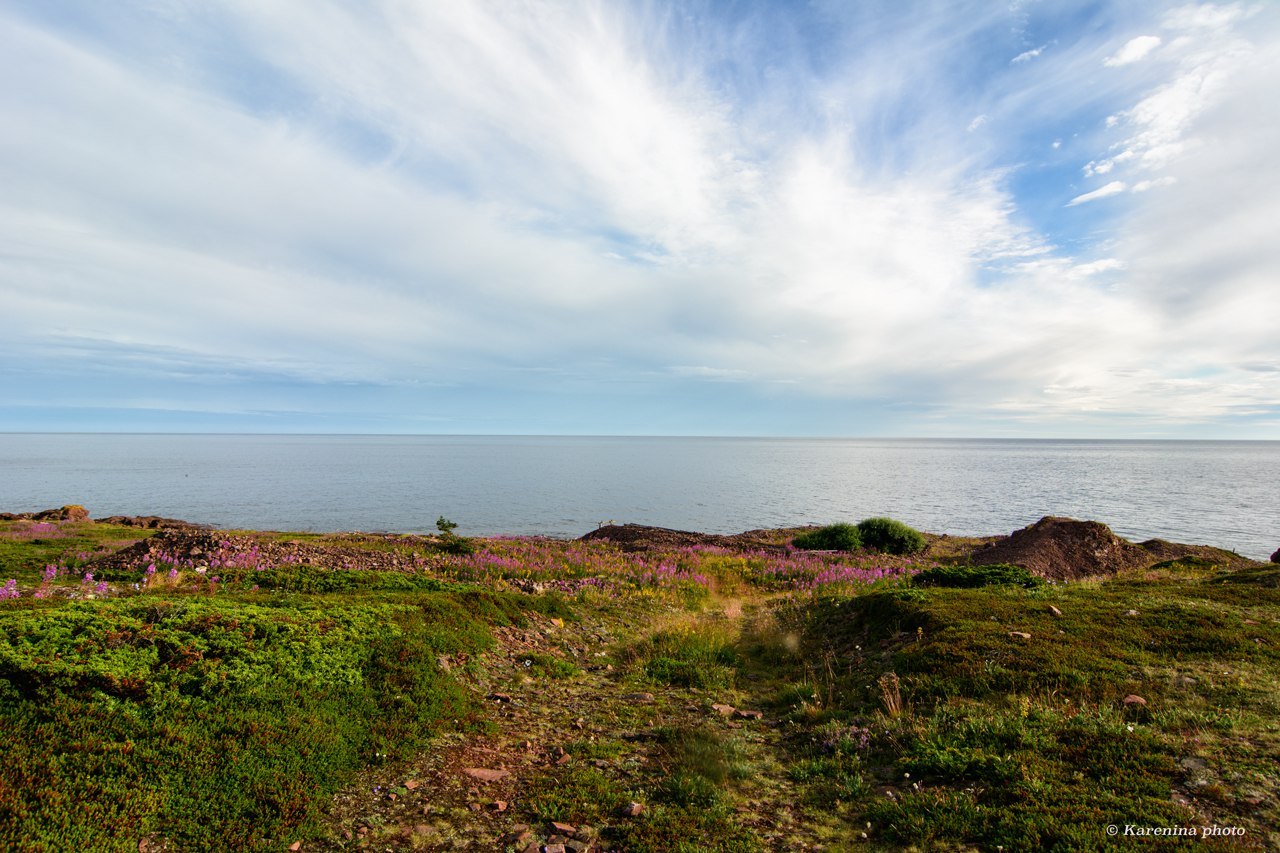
1004 219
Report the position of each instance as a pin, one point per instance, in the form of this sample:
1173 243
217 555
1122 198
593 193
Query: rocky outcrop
642 537
70 512
147 522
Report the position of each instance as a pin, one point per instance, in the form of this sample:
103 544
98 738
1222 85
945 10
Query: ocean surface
1217 493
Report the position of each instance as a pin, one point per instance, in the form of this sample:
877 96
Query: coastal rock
1275 558
642 537
71 512
147 522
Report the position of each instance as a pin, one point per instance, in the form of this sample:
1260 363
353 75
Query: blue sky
826 218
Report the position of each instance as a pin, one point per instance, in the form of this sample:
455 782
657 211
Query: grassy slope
233 718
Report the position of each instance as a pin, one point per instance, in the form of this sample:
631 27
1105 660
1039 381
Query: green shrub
833 537
890 536
972 577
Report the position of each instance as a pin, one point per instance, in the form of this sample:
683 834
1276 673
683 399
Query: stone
748 715
724 710
484 774
553 848
577 846
638 697
411 784
1275 558
1055 611
295 846
499 697
498 805
1134 701
564 759
567 830
632 809
1131 613
1020 635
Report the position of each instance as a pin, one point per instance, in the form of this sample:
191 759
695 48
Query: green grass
217 722
972 708
704 657
1025 743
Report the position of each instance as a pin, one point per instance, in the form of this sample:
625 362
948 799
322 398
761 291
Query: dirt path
579 747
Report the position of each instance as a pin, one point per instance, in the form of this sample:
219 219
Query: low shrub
891 537
972 577
833 537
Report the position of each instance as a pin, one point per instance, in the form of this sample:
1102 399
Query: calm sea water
1218 493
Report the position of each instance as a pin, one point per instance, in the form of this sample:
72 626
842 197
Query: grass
1023 740
948 707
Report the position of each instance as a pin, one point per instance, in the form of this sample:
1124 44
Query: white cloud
551 197
1028 55
1134 50
1113 188
1143 186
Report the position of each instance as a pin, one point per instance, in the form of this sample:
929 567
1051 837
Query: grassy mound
972 577
216 723
985 716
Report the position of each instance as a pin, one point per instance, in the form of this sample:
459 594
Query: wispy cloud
1134 50
424 207
1104 191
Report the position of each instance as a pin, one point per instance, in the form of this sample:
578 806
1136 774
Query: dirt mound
641 537
1065 549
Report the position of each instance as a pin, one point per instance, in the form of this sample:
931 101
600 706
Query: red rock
498 805
1134 701
564 829
295 846
485 775
632 809
553 848
748 715
725 710
564 759
412 784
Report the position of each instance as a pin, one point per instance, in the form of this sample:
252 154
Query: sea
1221 493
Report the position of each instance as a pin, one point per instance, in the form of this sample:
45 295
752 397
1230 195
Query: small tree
451 542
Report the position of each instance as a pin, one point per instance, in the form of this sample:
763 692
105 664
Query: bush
971 577
890 536
833 537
